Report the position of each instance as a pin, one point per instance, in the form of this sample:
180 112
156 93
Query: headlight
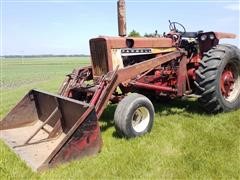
203 37
211 36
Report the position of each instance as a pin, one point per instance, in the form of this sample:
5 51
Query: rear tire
134 116
218 79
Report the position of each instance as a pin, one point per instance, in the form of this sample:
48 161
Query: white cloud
233 7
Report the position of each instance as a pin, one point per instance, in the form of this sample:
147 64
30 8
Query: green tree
149 35
134 33
155 34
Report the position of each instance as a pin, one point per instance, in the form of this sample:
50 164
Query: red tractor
128 71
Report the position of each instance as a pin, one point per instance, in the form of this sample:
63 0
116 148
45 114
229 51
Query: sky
31 27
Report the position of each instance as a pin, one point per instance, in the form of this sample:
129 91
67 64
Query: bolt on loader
46 129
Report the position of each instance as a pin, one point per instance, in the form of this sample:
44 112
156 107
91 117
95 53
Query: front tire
218 79
134 116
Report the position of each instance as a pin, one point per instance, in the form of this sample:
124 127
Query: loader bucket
46 129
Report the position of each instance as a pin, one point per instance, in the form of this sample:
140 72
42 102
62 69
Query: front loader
46 129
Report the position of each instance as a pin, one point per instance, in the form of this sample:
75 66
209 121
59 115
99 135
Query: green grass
184 143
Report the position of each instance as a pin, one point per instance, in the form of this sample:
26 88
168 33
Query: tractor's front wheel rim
140 119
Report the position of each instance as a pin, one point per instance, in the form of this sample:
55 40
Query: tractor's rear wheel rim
140 119
230 82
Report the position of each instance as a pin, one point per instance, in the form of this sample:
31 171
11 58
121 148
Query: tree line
44 56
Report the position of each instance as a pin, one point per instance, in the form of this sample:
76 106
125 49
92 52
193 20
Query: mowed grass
184 143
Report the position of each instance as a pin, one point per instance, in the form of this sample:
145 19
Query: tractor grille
98 48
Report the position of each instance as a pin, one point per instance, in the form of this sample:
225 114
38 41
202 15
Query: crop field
185 143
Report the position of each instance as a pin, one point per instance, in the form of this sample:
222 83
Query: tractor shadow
177 106
187 107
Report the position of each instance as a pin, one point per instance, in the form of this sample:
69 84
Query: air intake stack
121 8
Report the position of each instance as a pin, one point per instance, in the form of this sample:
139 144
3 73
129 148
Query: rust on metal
46 129
121 9
101 54
138 42
153 87
24 113
182 76
136 69
221 35
33 143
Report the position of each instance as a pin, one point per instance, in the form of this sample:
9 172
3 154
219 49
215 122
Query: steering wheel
176 27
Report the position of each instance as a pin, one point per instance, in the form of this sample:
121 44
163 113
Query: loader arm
113 79
46 130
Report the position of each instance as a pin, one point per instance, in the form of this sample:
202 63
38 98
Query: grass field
185 143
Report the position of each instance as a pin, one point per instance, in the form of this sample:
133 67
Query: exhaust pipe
121 8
